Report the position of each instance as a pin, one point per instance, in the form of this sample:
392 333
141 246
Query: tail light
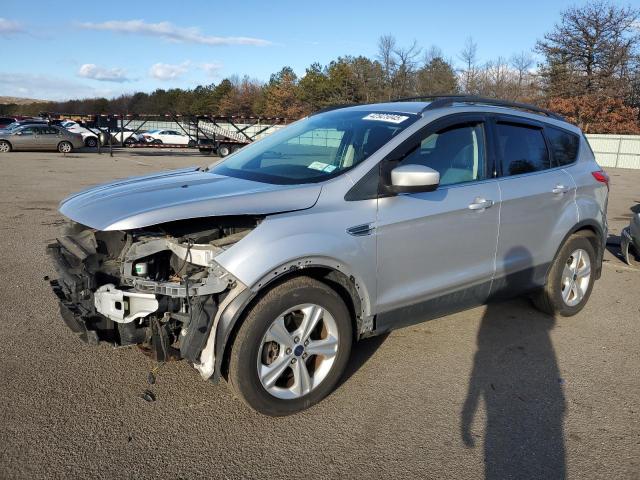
602 177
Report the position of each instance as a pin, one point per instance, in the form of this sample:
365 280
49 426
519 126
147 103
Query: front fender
267 253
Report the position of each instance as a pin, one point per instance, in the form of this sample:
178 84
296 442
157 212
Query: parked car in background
89 138
126 136
266 266
39 137
6 121
167 136
20 123
630 241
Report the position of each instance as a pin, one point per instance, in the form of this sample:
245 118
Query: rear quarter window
564 145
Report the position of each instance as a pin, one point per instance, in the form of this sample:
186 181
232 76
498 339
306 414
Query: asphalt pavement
501 391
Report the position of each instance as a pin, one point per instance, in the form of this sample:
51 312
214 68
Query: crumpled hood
180 194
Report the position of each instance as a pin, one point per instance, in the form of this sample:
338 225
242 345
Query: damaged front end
158 287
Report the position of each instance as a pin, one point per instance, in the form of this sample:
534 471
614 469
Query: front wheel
91 142
570 279
65 147
292 348
5 147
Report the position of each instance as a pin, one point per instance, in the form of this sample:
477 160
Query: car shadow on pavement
362 351
516 374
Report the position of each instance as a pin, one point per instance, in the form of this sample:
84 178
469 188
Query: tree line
588 70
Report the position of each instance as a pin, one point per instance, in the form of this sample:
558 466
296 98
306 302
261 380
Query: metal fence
619 151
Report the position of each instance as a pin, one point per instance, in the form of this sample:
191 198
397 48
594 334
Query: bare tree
469 58
522 63
386 56
591 50
406 67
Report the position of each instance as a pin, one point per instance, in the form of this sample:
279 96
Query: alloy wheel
297 351
576 276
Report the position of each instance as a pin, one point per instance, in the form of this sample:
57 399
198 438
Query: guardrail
619 151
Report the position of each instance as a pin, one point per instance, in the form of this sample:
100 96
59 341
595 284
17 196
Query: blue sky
61 49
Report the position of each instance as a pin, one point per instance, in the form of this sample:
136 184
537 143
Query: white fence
620 151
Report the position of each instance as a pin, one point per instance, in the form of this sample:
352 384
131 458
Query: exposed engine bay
158 287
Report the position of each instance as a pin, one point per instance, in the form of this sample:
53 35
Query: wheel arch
595 234
10 144
233 315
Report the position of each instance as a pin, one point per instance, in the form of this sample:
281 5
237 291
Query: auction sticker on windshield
386 117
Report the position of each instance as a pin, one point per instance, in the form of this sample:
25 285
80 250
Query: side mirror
18 133
414 178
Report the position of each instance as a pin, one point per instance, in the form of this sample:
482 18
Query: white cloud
166 71
47 87
90 70
170 32
211 69
9 27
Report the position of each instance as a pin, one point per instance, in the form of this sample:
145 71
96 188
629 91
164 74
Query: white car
90 139
167 136
126 136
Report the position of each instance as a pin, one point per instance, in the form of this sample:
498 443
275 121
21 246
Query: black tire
549 299
191 143
224 150
243 368
634 256
157 141
65 147
5 147
91 142
129 142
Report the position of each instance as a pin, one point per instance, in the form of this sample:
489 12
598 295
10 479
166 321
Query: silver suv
266 267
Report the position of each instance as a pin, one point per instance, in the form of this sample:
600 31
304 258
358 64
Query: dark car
630 243
5 121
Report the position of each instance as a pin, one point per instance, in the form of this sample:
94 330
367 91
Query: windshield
316 148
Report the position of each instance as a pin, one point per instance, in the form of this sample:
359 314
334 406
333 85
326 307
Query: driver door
436 250
25 139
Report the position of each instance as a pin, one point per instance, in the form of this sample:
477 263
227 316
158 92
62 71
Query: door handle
560 189
480 204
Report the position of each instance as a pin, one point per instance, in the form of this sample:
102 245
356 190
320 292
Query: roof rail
440 101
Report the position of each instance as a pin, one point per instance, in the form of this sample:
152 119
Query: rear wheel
5 147
570 279
224 150
129 142
292 348
157 141
65 147
91 142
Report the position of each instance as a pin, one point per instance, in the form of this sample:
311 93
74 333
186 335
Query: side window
522 149
457 153
564 145
28 131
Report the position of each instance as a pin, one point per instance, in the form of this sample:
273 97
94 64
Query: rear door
48 138
537 209
436 250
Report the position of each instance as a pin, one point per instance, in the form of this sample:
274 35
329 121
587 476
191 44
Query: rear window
564 145
522 149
